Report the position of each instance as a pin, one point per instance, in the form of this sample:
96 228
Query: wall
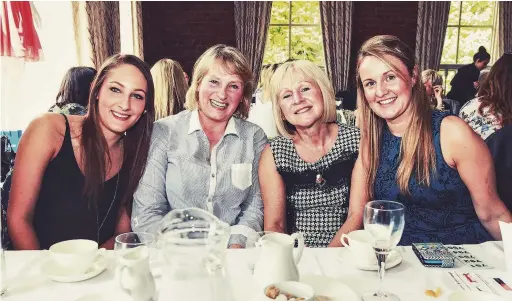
375 18
182 31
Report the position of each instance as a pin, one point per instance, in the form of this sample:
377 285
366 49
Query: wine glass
385 222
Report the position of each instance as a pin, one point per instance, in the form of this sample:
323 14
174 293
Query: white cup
359 243
75 256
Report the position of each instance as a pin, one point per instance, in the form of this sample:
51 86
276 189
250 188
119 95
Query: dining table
409 280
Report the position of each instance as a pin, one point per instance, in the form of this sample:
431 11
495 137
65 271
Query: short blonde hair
234 62
433 76
306 71
170 88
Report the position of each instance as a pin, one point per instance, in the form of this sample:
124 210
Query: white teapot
278 259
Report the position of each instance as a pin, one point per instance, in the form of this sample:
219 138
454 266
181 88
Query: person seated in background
465 82
207 156
170 88
492 109
260 112
74 176
305 173
429 161
73 95
433 83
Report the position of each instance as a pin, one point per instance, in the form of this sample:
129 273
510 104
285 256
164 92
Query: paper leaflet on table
506 235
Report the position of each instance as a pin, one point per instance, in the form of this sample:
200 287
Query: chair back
500 145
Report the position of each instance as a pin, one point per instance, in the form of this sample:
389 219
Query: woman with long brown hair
429 161
74 176
492 109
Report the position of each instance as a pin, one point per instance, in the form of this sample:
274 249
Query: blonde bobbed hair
233 61
170 88
417 153
294 71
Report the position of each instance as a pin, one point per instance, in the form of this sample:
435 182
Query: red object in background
23 29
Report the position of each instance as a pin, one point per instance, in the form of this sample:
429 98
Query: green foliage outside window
470 25
294 32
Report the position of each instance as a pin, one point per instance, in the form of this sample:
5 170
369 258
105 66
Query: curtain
336 19
104 32
505 26
430 33
18 34
138 44
251 25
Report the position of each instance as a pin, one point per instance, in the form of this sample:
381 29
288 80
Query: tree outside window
294 32
470 25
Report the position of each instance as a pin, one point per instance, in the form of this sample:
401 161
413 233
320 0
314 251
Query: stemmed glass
385 222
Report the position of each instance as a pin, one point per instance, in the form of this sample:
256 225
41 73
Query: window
294 32
470 25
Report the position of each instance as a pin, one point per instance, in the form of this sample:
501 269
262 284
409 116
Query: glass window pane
276 48
306 44
448 79
453 16
280 12
450 46
305 12
477 13
469 41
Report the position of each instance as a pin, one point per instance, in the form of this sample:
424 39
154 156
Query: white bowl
297 289
474 296
76 256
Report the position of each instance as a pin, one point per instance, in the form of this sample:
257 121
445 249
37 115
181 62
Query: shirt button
213 175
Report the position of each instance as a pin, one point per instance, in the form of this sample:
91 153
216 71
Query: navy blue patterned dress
443 212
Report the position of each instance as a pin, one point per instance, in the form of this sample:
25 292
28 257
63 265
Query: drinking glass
385 222
132 240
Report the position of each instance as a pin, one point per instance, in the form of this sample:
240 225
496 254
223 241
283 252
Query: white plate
346 256
474 296
330 287
55 273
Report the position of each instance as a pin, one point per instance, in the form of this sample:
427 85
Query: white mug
76 256
360 245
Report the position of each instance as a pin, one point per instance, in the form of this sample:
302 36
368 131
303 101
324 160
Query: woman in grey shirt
207 156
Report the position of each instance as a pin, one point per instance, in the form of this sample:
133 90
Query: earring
145 111
124 133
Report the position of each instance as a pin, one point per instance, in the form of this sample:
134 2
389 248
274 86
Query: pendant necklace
106 215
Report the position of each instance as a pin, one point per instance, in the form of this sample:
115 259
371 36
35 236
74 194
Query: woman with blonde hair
305 173
429 161
170 88
207 156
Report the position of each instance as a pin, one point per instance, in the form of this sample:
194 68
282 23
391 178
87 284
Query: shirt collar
195 124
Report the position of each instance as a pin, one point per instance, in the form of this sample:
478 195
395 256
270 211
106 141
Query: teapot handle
297 254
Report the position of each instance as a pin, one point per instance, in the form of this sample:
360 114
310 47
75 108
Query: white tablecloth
408 280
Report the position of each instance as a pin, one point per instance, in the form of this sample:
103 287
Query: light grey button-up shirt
182 173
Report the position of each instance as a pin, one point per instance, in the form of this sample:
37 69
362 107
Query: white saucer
346 256
330 287
55 273
474 296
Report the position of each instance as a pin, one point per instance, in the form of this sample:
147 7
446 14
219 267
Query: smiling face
387 94
220 92
121 98
301 102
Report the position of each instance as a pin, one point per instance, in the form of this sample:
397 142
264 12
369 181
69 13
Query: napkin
506 236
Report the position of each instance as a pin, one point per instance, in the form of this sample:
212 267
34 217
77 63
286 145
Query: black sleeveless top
62 213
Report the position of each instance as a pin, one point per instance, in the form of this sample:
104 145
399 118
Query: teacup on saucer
76 255
346 256
57 273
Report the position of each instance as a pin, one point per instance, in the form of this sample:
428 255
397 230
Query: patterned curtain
430 33
505 26
138 44
103 21
251 26
336 18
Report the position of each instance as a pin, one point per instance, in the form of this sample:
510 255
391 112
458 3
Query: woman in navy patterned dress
305 173
429 161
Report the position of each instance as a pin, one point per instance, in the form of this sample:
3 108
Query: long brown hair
496 90
170 88
417 148
95 152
